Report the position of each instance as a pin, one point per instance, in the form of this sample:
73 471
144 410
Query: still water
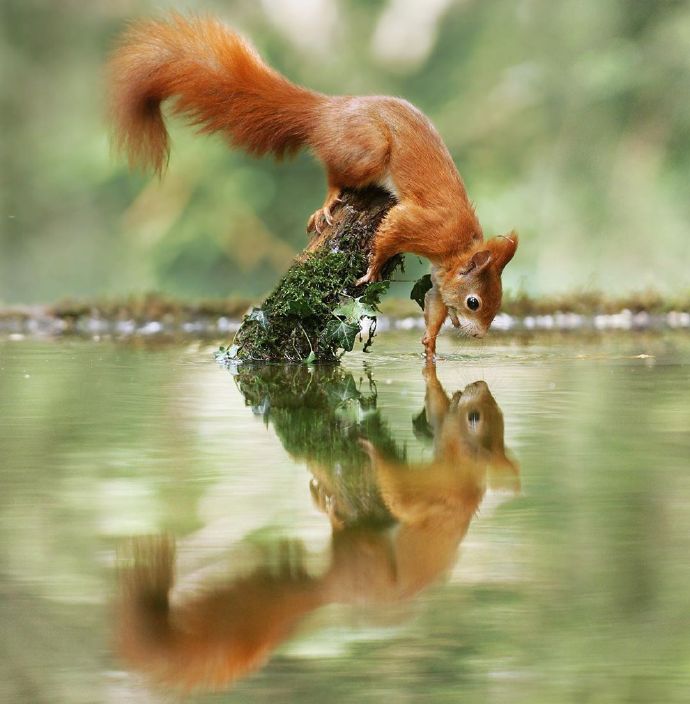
512 525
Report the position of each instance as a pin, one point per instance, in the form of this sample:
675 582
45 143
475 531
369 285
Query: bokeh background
568 121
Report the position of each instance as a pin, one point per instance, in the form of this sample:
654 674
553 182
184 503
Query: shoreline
154 316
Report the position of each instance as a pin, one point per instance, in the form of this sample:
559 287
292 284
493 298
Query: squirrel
214 635
221 84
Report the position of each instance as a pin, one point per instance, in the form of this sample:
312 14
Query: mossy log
320 414
316 310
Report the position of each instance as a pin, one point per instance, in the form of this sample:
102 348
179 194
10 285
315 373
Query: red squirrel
220 84
214 635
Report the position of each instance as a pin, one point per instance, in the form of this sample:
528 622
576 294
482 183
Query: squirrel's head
480 426
471 287
479 419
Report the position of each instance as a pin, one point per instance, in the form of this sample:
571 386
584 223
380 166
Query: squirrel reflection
435 501
213 638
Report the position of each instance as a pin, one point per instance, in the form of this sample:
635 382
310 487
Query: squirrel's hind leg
324 216
355 154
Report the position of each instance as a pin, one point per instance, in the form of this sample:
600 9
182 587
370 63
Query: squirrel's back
219 81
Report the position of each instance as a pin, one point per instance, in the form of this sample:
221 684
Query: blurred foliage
569 122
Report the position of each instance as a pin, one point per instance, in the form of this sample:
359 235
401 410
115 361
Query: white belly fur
388 185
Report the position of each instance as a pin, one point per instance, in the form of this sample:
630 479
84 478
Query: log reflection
396 526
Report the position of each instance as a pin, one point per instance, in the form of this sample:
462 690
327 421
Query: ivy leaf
342 333
419 290
259 316
227 356
373 292
344 391
354 309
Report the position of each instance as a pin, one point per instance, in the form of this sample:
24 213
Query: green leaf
344 391
354 309
224 355
373 292
342 333
419 290
311 358
260 317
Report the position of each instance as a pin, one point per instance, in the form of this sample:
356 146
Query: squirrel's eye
472 302
473 418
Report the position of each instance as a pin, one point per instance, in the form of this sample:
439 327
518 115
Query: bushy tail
219 81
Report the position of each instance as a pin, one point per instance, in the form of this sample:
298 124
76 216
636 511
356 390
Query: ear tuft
503 248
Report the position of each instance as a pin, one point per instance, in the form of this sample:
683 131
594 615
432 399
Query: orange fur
220 83
214 636
436 501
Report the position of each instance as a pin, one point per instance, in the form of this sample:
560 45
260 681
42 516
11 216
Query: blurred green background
569 122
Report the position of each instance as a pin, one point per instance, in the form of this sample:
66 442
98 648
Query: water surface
510 526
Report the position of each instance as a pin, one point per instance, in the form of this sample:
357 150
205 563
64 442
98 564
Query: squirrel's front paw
371 276
429 347
325 501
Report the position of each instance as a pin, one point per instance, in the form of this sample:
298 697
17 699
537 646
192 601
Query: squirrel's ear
504 475
479 262
503 249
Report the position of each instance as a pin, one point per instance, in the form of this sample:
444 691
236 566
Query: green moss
315 311
320 414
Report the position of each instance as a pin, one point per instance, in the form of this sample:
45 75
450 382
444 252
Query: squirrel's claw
321 216
326 215
311 223
368 278
316 221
